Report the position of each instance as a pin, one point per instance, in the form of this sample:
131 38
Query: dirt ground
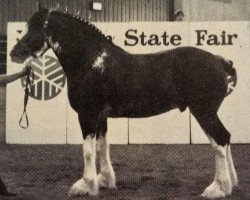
144 172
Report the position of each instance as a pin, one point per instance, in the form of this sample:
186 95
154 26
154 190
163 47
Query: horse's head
34 40
59 31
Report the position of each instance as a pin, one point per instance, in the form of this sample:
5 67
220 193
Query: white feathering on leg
221 185
106 178
88 184
232 171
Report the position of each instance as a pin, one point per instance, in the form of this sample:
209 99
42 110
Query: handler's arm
4 79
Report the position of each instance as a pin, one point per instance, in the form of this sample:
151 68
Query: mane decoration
85 22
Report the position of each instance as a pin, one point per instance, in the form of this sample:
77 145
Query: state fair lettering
132 39
211 39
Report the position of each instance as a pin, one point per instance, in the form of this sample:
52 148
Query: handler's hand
26 70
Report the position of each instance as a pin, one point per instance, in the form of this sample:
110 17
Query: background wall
214 10
119 11
2 113
113 10
3 49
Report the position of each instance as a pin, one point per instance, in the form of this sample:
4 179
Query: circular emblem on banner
49 78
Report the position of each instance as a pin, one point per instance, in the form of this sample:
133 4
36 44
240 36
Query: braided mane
86 23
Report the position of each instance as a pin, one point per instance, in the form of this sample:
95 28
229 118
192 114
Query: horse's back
191 72
148 84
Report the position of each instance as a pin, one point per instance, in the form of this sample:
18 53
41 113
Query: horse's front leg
106 177
88 184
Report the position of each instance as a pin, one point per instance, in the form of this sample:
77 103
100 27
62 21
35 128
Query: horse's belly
140 111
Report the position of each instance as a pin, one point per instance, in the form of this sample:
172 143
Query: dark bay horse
106 81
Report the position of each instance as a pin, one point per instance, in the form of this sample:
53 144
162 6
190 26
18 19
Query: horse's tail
229 68
231 71
227 65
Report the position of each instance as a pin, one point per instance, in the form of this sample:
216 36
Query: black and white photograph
124 99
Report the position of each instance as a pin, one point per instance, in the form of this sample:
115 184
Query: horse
106 81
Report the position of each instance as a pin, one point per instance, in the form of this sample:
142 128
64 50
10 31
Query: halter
45 26
30 80
46 22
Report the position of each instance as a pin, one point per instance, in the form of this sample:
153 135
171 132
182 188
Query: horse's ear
57 7
40 5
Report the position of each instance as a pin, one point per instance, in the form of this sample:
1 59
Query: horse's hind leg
232 171
219 137
106 177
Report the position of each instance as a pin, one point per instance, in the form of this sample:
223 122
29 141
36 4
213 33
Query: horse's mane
84 23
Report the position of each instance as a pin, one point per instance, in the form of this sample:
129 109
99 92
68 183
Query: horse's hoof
214 191
235 181
83 187
106 181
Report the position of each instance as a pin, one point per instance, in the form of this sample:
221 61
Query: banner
53 121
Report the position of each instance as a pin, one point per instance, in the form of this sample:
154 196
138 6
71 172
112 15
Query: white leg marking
232 171
88 184
221 185
106 178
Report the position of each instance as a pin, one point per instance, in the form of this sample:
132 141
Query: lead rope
29 82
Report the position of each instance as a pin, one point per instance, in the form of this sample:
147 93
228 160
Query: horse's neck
78 50
76 57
